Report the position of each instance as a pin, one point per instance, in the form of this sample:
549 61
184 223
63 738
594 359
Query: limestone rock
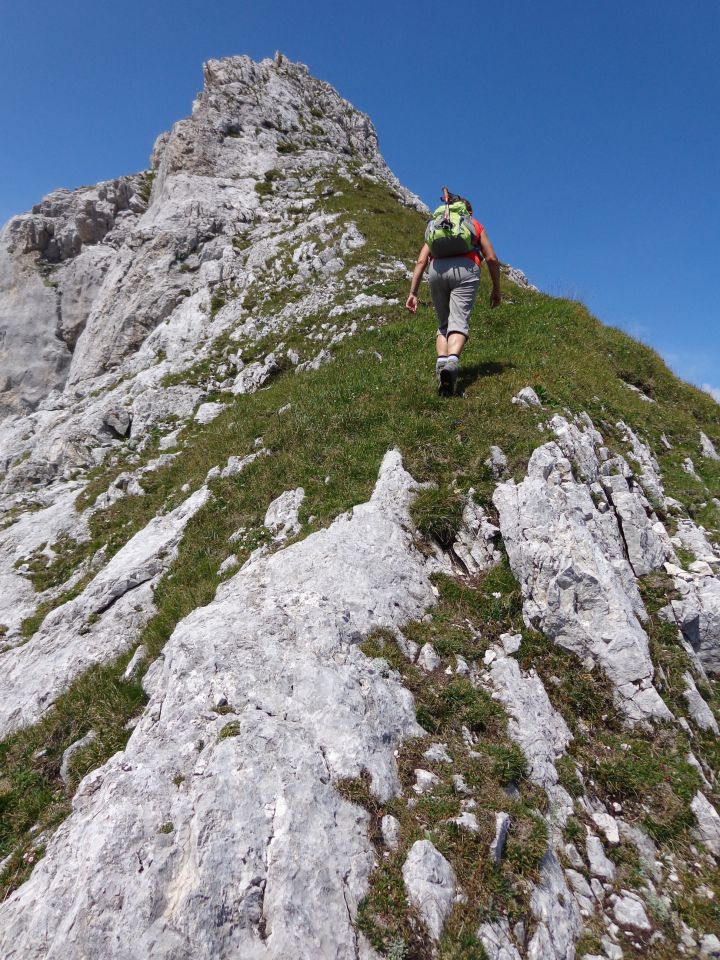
318 361
502 828
282 516
74 748
437 753
526 398
697 613
467 821
699 710
95 627
425 780
57 517
710 946
708 822
285 630
476 540
707 447
600 865
430 884
649 469
582 891
428 658
497 941
571 561
207 412
556 913
134 663
534 724
694 538
629 911
497 462
517 277
255 375
390 827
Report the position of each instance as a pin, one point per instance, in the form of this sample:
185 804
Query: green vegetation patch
437 514
445 704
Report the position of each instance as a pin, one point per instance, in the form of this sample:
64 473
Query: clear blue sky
587 133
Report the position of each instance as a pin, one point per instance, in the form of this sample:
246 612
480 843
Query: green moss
231 729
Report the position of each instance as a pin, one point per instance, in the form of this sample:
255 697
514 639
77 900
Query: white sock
441 361
455 357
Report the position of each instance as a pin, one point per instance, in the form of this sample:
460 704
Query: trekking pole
445 196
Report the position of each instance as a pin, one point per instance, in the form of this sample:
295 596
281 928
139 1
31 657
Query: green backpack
451 231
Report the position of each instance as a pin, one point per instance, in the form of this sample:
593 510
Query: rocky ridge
163 299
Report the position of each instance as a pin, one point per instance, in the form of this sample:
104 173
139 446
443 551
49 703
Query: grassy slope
342 420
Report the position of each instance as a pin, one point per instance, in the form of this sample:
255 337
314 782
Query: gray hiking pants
454 283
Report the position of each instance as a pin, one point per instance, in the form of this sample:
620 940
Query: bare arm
420 265
491 259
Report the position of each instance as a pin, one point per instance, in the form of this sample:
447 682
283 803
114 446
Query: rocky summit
301 660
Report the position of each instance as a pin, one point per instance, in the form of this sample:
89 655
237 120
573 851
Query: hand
411 303
495 298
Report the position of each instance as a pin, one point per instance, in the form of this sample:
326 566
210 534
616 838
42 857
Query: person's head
455 197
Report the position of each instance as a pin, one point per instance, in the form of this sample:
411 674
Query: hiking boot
448 378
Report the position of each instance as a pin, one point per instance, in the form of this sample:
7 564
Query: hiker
455 247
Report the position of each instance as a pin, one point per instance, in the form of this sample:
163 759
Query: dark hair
455 197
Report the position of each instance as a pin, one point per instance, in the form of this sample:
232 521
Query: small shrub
568 777
231 729
146 186
508 763
437 514
217 302
574 830
527 844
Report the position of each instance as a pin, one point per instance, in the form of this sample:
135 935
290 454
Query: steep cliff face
301 660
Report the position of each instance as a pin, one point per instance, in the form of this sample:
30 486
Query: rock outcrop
143 861
576 546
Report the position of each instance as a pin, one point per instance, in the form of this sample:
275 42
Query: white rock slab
707 447
526 398
577 583
699 710
600 865
282 517
708 822
497 941
95 627
259 835
557 915
430 884
207 412
629 911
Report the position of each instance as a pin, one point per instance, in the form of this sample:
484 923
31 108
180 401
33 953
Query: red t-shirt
474 255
